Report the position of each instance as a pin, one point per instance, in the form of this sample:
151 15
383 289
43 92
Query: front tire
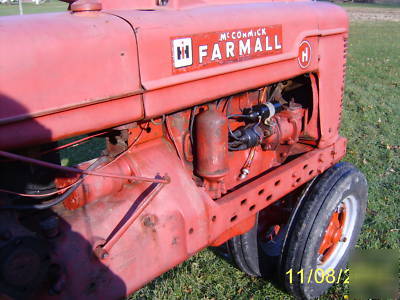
324 231
320 233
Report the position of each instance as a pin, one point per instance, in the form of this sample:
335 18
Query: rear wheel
243 250
318 236
257 251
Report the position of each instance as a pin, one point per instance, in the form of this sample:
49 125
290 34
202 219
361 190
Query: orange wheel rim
333 234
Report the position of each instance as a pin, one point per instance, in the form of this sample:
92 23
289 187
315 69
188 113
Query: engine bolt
244 173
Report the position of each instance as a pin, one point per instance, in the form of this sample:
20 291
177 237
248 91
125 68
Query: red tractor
220 121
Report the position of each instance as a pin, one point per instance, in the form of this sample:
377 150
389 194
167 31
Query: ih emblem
182 51
304 57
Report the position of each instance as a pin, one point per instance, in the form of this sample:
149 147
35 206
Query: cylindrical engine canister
211 139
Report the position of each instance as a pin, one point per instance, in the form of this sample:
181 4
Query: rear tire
243 250
257 251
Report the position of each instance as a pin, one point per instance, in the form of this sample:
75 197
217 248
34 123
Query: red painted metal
104 247
271 187
333 234
125 66
94 188
85 5
72 66
288 129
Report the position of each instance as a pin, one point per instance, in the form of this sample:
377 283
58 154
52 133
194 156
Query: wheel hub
333 233
338 234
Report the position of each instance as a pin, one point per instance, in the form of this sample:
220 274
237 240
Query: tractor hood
54 63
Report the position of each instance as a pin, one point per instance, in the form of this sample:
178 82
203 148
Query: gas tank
63 74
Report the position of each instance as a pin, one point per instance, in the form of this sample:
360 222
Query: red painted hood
58 62
55 61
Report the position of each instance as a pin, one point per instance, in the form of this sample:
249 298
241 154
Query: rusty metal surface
113 71
50 111
330 87
211 140
171 4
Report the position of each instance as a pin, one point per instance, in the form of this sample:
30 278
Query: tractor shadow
42 256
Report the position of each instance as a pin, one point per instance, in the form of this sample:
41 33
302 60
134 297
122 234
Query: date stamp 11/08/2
319 276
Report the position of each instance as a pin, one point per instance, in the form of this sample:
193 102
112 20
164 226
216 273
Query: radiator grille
345 47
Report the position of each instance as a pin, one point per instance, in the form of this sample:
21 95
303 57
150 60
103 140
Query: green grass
30 8
371 121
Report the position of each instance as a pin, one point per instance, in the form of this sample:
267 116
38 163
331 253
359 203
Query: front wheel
316 238
324 231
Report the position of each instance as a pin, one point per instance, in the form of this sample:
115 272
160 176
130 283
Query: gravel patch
373 14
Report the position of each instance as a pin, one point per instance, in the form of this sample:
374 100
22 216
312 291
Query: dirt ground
373 14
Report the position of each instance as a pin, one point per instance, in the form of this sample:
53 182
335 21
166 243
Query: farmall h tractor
221 126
